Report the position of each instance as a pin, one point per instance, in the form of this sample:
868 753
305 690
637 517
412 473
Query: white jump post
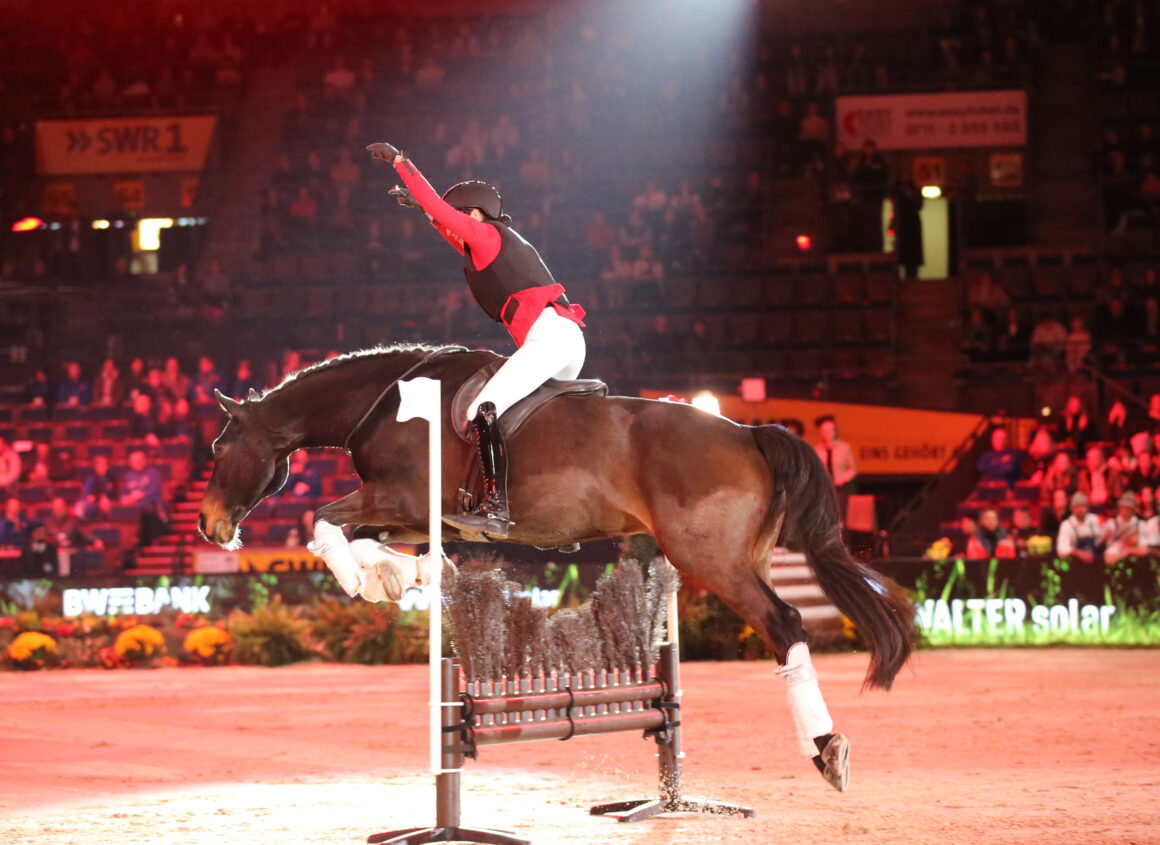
419 398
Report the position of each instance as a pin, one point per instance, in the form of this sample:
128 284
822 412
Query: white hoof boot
387 573
331 545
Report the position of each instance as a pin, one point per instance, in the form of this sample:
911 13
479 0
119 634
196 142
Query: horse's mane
380 351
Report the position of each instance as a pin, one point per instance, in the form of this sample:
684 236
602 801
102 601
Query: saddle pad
515 416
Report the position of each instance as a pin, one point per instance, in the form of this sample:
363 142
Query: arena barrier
555 706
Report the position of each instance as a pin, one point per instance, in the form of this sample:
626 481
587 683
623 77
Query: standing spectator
141 487
838 458
1146 473
303 480
109 387
74 391
907 202
999 463
1014 341
14 527
1079 536
1078 345
1116 428
1074 425
98 491
9 466
814 134
1048 343
868 183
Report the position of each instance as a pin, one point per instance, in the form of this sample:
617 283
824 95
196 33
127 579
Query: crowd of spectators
1112 325
1083 487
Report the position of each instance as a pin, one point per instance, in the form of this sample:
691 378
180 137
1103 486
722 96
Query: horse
717 496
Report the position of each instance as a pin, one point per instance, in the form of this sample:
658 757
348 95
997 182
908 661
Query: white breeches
554 348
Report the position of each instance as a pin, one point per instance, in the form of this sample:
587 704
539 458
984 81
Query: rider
512 284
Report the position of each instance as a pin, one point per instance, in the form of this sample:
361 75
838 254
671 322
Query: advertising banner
257 560
934 121
123 145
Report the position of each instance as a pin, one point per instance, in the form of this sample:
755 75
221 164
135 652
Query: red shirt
458 228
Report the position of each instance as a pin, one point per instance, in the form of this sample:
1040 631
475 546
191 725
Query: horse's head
250 464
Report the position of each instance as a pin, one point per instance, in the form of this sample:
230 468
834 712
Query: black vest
517 267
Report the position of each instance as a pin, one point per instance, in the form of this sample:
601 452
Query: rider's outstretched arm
481 239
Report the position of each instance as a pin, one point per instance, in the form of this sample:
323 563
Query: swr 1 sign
131 145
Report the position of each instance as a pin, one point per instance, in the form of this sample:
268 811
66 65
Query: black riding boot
491 516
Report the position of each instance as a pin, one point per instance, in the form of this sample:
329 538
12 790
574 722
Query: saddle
510 421
514 417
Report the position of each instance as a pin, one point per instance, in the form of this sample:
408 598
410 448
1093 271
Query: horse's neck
322 409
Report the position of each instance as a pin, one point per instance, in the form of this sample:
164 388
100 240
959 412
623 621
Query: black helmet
475 194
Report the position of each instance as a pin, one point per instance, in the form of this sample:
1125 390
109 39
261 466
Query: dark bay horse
716 495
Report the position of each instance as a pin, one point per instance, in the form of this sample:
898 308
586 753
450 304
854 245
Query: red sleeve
483 240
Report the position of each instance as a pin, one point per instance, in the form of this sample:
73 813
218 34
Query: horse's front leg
365 567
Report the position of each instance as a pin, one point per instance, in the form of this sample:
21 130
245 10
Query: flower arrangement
209 645
32 650
940 549
139 644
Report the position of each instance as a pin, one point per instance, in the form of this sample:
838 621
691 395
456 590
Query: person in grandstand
510 281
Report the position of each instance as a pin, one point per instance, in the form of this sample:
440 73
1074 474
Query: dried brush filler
497 632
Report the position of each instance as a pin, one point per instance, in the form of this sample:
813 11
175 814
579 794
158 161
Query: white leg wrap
386 573
810 716
331 545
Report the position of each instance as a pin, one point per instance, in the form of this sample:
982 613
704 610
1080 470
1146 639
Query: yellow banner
886 441
130 145
213 561
280 560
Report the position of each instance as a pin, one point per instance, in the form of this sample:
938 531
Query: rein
374 405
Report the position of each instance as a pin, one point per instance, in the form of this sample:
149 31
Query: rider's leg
554 348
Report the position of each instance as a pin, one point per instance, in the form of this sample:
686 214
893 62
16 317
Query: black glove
403 197
383 151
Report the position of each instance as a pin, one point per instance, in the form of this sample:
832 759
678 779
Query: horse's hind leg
779 624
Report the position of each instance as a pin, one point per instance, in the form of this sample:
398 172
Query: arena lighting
931 192
803 242
100 224
707 402
1045 411
27 224
149 232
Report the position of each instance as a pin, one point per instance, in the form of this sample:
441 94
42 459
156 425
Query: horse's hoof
834 762
394 584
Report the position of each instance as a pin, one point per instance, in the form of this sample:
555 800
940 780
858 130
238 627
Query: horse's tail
803 496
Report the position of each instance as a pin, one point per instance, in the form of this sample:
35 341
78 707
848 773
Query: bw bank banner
129 145
934 121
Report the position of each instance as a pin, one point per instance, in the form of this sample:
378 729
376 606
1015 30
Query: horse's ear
231 406
253 396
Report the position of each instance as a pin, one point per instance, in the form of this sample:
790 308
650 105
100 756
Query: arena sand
995 746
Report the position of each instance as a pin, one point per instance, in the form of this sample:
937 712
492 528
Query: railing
912 528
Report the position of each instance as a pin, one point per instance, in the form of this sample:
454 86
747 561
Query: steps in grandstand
173 551
794 582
